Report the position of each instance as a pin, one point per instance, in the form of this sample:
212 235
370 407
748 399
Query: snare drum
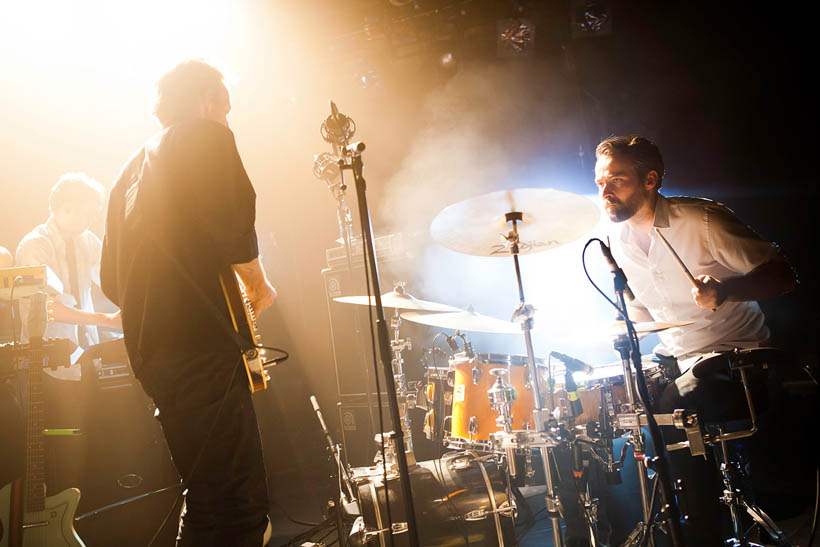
472 420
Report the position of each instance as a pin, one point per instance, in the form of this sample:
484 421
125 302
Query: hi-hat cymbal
618 328
549 218
399 300
464 321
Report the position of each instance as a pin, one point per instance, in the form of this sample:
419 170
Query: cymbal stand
525 312
590 508
406 399
352 161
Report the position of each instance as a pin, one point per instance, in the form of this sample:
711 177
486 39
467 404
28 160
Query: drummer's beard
619 211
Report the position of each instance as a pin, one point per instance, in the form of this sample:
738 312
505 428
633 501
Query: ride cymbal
548 219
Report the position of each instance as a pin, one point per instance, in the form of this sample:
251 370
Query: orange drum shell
471 400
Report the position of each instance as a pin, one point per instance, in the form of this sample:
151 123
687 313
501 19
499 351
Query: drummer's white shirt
711 240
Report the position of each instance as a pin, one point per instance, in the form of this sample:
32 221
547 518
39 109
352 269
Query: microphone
318 411
617 272
451 341
575 406
337 128
573 364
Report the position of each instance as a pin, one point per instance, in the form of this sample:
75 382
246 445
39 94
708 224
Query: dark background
723 88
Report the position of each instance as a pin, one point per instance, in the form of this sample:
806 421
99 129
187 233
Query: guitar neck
35 494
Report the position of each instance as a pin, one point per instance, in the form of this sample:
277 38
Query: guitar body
51 527
243 319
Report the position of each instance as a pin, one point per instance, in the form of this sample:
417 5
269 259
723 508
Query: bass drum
460 499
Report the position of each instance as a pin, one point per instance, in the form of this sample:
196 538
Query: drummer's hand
709 293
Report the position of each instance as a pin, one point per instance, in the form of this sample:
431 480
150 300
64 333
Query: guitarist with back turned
181 211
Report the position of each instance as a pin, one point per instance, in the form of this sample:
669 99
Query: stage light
515 37
591 18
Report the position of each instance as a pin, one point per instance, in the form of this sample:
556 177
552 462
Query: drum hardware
732 472
406 399
589 504
407 393
501 396
386 453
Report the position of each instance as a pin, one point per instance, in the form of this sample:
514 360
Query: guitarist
181 210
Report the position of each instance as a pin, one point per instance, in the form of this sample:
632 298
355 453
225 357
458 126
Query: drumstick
678 260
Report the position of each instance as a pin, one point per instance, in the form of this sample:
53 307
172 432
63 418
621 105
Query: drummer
733 268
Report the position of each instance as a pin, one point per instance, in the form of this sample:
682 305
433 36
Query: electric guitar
27 517
243 319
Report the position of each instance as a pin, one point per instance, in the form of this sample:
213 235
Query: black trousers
716 399
209 422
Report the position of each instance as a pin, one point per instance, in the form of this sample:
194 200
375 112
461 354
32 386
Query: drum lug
476 375
505 510
527 379
473 427
461 461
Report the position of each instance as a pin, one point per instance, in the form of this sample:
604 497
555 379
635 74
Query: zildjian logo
523 247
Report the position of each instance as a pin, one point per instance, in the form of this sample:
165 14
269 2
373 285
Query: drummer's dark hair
642 152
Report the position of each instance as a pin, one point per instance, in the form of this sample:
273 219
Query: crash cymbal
464 321
549 218
399 300
618 328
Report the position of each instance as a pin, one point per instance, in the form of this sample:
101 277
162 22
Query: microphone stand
355 165
346 232
669 508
